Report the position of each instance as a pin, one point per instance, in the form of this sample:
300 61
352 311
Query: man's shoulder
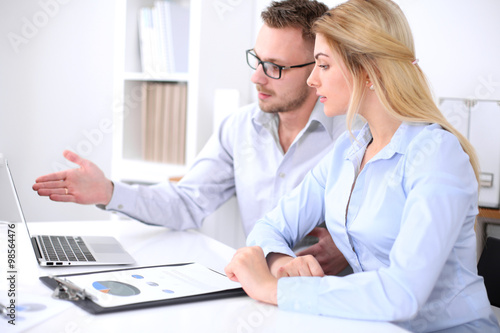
248 111
242 116
238 122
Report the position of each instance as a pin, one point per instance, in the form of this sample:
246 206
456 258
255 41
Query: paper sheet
31 310
110 289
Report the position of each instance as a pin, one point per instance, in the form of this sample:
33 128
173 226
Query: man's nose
258 76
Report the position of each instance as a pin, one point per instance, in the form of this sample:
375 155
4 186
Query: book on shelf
164 37
164 122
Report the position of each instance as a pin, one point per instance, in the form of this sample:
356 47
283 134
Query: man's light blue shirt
407 230
243 158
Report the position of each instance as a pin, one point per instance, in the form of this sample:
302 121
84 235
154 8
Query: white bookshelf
127 162
139 76
216 61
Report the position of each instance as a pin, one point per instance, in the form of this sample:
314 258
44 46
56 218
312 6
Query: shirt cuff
299 294
123 198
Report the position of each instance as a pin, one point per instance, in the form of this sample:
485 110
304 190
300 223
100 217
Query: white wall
227 28
226 34
457 45
56 77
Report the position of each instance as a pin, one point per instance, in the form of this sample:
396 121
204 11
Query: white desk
154 246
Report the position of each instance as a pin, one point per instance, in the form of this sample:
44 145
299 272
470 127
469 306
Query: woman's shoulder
430 137
435 150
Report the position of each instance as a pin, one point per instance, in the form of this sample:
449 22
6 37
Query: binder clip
66 290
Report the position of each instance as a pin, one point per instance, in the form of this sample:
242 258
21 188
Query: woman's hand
301 266
249 267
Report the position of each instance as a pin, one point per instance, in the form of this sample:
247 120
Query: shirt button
120 206
282 175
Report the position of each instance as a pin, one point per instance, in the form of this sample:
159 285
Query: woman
399 197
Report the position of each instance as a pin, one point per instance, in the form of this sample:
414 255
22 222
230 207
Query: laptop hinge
36 248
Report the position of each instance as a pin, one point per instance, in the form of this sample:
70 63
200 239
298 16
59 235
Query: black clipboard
63 289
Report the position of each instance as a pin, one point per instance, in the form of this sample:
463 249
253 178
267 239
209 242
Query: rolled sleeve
299 294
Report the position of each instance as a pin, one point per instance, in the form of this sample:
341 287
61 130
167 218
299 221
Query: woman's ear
369 83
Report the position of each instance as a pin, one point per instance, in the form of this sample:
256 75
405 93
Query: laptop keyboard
65 248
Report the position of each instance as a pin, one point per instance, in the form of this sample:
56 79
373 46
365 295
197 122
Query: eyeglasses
270 69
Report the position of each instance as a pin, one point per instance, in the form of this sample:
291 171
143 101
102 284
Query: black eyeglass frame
281 68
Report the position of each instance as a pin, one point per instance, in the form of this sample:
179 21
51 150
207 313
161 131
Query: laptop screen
10 211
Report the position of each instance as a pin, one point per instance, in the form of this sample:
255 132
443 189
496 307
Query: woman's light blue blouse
407 230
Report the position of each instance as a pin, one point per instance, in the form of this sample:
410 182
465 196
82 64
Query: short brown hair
294 13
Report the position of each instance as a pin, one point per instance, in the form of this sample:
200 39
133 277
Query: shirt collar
398 144
264 119
318 115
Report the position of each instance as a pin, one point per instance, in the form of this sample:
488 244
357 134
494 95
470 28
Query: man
260 153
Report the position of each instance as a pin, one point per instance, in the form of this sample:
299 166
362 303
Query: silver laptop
59 250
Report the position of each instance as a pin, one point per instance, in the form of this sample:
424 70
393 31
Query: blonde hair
373 37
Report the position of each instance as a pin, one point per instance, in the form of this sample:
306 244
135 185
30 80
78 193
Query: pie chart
116 288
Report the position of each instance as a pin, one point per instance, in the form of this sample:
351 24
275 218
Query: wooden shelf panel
489 213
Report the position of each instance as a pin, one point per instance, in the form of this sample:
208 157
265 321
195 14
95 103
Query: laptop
54 251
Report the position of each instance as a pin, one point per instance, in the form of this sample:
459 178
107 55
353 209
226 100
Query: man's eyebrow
273 60
317 55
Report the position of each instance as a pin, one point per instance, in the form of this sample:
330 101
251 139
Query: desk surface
151 245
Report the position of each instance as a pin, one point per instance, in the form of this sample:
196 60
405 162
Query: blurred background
61 62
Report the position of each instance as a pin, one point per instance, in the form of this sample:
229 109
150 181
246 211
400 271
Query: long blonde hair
373 37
